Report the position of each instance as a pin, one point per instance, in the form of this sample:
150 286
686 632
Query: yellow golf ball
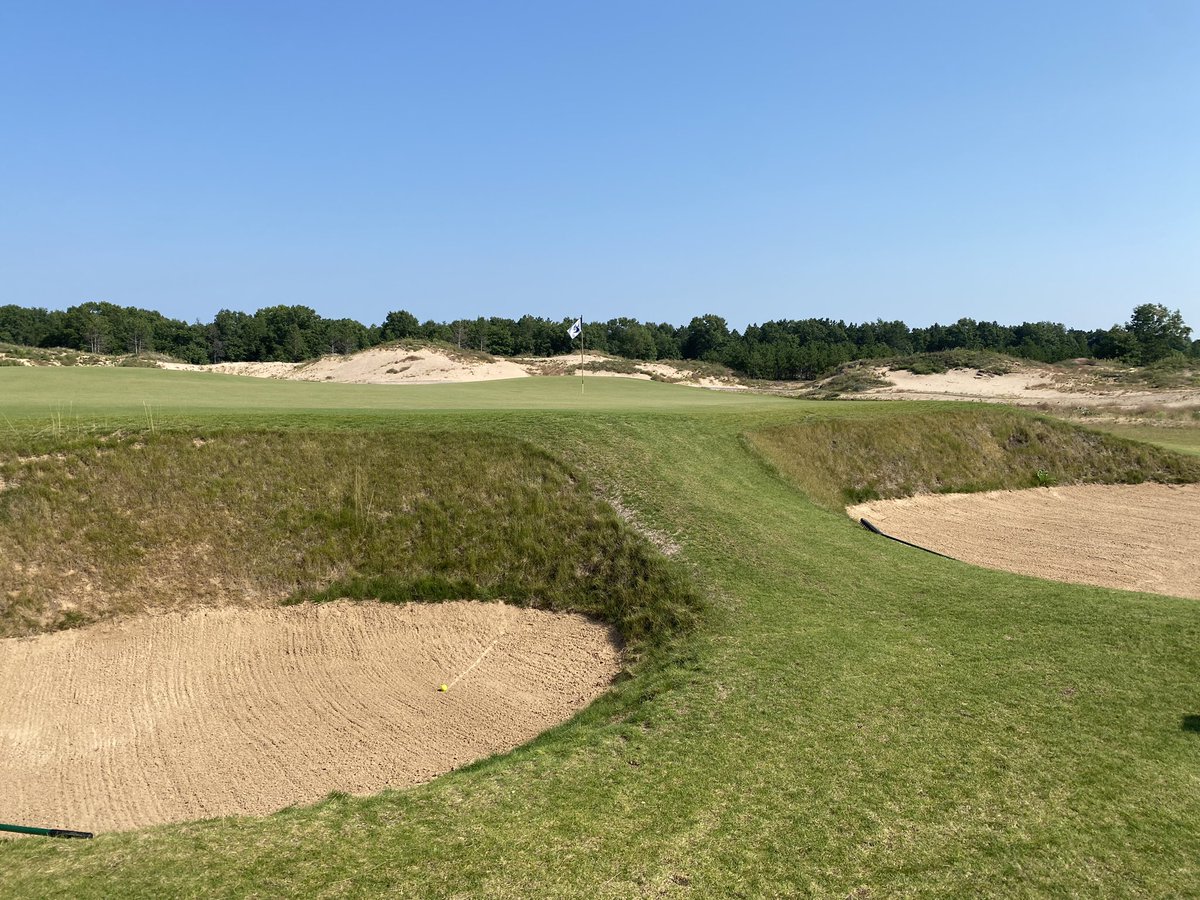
443 688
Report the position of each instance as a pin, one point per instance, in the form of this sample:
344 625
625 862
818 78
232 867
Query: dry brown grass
841 461
162 522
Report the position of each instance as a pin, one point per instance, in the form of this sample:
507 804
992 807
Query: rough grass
613 364
168 521
854 719
1174 372
850 378
18 354
985 361
990 448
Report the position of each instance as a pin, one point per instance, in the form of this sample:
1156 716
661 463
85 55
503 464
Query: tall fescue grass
840 461
167 521
986 361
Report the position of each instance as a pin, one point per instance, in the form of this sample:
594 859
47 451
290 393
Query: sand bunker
430 365
1140 537
379 365
221 712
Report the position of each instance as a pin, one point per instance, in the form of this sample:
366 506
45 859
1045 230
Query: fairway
1181 439
836 715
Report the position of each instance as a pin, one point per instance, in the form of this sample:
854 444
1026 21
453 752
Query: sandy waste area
243 712
1139 537
383 365
376 366
569 364
1029 387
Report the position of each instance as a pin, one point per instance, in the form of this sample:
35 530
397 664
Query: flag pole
581 353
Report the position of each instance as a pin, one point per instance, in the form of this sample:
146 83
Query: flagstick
581 355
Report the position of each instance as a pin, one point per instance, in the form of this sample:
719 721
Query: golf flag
576 327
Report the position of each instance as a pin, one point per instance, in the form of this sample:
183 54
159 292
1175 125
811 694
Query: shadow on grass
1190 723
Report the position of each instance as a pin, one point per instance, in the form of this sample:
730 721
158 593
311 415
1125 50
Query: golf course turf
843 717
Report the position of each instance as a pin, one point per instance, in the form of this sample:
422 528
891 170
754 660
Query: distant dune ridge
433 365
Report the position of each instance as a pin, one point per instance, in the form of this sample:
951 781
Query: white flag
576 327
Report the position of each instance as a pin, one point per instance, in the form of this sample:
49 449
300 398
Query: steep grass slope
840 461
168 521
855 719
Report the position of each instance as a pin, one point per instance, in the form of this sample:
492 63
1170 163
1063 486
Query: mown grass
1175 438
62 401
854 718
841 461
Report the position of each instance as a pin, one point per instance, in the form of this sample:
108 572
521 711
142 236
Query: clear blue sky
760 160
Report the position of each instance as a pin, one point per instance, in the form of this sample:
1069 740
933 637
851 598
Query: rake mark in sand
244 712
1138 537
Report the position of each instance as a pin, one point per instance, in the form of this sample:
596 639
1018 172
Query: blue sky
759 160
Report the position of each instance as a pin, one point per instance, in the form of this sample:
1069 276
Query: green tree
705 335
289 333
19 325
399 324
1116 343
1157 333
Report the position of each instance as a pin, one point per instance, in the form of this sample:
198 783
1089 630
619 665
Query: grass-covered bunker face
844 461
169 521
951 482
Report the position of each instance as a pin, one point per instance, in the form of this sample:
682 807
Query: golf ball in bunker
443 688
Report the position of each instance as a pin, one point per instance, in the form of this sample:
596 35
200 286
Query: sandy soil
432 366
1140 537
429 365
257 369
376 366
568 364
233 711
970 384
688 376
1031 386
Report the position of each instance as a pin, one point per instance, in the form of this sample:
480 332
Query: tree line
783 349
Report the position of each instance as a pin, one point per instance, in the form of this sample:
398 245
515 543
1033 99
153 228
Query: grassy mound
169 521
850 378
934 363
840 461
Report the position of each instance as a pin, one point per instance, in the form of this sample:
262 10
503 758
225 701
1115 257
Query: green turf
977 448
1179 438
64 394
854 718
